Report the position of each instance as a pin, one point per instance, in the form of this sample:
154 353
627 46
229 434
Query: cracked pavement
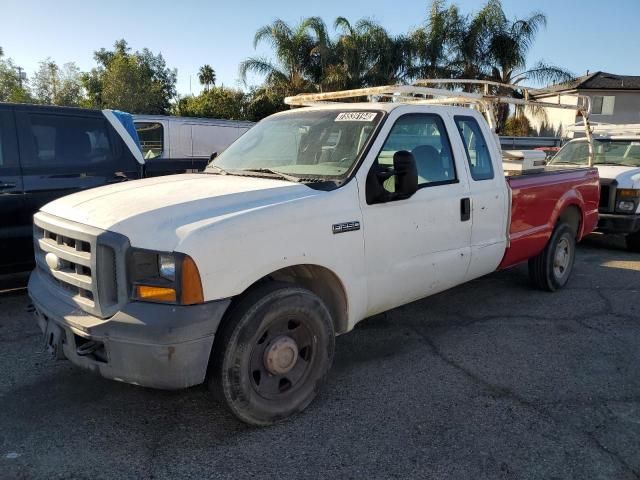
489 380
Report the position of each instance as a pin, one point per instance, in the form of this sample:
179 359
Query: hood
151 211
627 177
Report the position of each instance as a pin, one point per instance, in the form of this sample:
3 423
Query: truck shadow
599 240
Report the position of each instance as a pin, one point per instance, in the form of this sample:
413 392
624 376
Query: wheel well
573 217
321 281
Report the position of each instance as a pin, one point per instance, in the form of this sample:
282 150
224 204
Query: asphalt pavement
490 380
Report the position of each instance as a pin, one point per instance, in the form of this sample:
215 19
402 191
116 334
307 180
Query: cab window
425 136
476 148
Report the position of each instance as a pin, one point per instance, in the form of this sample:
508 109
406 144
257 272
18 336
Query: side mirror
404 164
403 185
213 156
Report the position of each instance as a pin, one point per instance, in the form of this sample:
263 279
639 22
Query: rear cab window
475 147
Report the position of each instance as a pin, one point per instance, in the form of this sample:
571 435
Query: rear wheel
633 242
550 269
272 354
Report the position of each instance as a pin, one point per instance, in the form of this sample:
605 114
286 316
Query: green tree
13 88
58 86
509 46
367 55
207 76
138 82
434 47
292 72
217 102
260 103
517 126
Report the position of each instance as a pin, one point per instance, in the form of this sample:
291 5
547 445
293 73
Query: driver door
420 245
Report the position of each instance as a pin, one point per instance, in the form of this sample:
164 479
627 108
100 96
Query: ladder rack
424 92
606 129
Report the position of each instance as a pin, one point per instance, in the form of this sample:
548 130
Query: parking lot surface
488 380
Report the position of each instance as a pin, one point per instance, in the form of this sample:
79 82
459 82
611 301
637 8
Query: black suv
47 152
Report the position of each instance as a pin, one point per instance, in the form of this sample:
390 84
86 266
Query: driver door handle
465 209
7 186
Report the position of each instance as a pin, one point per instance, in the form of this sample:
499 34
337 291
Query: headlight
164 277
627 199
626 206
167 266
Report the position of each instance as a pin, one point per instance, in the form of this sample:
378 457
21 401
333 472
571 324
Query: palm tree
508 49
207 76
366 55
295 66
473 52
433 47
323 54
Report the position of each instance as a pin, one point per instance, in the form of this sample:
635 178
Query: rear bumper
618 223
152 345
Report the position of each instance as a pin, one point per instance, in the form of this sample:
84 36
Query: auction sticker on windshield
356 117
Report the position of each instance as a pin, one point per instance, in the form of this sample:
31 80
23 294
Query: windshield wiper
611 163
219 170
284 176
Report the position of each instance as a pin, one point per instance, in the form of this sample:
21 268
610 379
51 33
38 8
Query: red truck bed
539 199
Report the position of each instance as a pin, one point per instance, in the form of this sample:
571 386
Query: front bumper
618 223
147 344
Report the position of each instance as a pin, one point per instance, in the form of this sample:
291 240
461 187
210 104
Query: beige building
614 99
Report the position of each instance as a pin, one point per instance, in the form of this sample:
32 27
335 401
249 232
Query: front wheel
273 353
550 269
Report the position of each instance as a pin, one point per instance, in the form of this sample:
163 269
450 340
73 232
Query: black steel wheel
551 269
272 353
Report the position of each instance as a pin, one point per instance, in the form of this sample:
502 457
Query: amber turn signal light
628 192
155 294
191 285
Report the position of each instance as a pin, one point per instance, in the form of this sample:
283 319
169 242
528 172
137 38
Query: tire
272 353
633 242
550 270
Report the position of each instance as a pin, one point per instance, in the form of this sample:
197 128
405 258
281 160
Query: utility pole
19 75
53 72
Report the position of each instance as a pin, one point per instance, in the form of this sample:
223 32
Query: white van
190 141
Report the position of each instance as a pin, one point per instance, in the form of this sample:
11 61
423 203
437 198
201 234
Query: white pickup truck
617 158
312 221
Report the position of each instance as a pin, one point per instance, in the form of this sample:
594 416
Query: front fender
235 252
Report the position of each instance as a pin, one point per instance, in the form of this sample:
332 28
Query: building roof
596 81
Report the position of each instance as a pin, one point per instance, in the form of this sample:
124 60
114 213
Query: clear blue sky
581 35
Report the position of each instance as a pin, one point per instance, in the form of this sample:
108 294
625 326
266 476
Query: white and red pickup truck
312 221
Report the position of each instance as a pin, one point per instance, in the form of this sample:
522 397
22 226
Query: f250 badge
346 227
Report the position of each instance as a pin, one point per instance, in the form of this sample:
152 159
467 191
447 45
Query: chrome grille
85 264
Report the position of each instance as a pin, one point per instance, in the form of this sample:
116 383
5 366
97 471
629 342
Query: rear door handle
7 186
465 209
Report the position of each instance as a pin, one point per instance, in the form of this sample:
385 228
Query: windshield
320 144
625 153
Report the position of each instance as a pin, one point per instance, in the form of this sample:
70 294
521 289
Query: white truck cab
617 158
